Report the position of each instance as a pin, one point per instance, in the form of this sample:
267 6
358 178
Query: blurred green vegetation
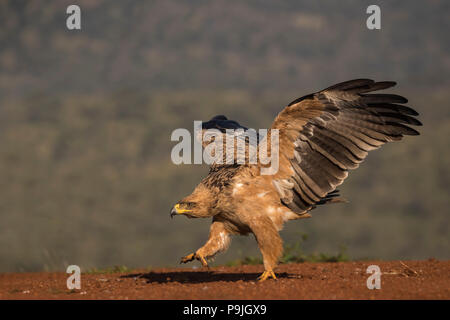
295 253
108 270
86 118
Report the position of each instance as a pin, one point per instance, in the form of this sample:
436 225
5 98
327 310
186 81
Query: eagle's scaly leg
219 239
270 244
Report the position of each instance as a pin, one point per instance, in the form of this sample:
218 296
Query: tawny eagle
322 136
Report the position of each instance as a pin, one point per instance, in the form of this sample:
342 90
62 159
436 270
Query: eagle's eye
187 205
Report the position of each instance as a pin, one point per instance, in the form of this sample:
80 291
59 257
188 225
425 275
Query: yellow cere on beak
176 210
181 211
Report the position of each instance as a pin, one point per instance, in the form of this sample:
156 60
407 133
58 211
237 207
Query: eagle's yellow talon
265 275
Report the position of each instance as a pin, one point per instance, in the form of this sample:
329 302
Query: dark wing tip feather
361 86
351 84
386 107
374 87
401 117
385 84
405 130
383 98
406 110
358 86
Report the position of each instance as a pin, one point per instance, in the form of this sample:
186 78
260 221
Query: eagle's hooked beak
176 210
173 212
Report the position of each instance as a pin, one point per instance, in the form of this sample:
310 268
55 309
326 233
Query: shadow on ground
198 276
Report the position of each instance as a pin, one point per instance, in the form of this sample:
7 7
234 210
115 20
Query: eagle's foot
265 275
193 256
188 258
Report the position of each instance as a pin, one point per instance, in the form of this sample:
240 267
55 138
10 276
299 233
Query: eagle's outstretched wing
324 134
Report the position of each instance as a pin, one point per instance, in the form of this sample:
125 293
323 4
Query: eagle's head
196 205
186 208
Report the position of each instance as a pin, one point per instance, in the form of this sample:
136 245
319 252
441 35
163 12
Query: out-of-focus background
86 117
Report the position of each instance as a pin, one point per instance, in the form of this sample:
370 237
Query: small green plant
294 253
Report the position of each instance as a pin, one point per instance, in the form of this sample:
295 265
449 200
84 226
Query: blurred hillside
86 118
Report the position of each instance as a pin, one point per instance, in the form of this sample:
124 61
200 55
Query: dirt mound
343 280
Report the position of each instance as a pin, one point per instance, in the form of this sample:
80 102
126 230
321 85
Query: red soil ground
344 280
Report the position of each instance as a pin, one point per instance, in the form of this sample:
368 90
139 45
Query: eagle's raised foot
194 256
267 274
187 258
